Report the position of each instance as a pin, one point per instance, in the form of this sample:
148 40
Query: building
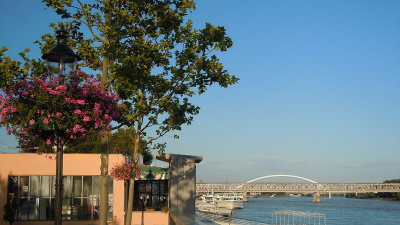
30 178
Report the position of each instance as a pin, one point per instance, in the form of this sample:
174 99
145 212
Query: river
338 210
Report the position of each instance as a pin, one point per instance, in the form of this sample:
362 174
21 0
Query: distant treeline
379 195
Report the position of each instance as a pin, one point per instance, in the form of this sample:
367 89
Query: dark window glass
87 186
162 188
141 187
44 209
67 182
24 186
45 186
77 186
12 186
53 186
34 186
32 209
150 193
23 212
35 194
155 187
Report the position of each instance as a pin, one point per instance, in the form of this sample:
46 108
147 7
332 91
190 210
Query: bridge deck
298 187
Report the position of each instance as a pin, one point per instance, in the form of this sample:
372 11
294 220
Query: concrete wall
74 164
182 184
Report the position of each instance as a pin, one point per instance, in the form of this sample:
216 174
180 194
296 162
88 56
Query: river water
338 210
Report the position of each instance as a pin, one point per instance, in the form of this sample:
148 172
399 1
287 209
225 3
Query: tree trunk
128 220
104 159
103 189
104 155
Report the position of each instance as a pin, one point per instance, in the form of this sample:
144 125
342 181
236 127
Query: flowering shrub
123 171
57 110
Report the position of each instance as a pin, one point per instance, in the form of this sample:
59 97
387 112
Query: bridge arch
281 175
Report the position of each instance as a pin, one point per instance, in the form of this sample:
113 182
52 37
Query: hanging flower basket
123 171
57 110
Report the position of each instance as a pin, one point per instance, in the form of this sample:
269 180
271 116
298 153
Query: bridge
305 186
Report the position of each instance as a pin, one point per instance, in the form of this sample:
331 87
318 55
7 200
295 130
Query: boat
226 201
229 201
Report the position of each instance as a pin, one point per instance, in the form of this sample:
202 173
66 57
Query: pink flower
78 128
9 131
48 142
67 100
58 114
86 119
31 122
80 102
12 109
77 111
61 88
46 121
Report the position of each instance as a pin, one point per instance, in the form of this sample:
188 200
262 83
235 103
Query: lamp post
127 156
128 159
60 61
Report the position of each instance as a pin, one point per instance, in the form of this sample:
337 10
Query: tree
152 56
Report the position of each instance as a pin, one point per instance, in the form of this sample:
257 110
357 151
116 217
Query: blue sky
318 97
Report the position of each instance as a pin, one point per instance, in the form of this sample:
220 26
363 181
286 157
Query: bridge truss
298 187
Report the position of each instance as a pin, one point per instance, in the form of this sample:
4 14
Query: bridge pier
245 196
317 197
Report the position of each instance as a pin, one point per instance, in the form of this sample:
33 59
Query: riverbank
375 196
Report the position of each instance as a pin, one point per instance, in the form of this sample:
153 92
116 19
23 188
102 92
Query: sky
318 96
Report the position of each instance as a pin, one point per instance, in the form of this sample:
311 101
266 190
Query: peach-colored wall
73 164
150 218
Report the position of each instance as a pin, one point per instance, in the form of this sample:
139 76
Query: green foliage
392 181
150 175
12 70
156 58
118 143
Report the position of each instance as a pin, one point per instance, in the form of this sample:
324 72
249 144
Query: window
36 197
150 193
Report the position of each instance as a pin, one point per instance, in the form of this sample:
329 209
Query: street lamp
127 156
60 61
